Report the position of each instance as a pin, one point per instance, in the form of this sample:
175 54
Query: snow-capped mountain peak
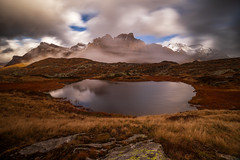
177 47
198 51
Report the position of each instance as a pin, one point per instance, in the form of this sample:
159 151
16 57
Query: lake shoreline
202 99
35 117
30 115
128 98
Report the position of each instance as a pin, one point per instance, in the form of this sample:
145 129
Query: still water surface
129 98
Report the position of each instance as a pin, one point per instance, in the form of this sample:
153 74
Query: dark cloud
215 19
3 42
7 50
29 18
219 19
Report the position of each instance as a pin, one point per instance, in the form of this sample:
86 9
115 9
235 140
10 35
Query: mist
126 48
202 21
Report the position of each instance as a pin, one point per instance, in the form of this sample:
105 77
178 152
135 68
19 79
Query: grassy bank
26 118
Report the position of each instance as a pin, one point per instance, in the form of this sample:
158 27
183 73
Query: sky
26 23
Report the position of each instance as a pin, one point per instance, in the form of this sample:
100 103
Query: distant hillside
214 72
44 50
18 65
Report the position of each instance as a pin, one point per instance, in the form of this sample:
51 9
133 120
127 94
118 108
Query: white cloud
52 40
206 41
160 23
75 37
20 47
53 18
139 20
73 18
37 19
179 39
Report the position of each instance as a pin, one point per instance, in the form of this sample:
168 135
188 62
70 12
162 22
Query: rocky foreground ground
136 147
35 125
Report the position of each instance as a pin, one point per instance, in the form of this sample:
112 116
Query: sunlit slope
19 65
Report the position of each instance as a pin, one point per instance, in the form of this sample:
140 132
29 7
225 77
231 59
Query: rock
98 145
222 72
129 36
15 60
134 137
141 150
227 157
135 147
78 47
46 146
126 42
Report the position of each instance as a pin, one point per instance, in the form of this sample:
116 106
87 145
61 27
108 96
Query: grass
19 65
29 118
201 137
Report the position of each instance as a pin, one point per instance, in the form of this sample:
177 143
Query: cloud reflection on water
131 98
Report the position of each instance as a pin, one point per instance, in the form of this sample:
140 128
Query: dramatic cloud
52 18
206 41
34 18
3 42
16 47
178 39
218 20
7 50
212 22
51 40
162 22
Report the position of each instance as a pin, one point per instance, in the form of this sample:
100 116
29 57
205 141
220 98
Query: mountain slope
126 48
122 48
44 50
214 72
197 52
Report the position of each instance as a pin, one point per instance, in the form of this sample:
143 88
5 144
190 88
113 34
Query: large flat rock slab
45 146
135 147
140 150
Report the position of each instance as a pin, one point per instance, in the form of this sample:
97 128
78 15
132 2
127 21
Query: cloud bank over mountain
211 22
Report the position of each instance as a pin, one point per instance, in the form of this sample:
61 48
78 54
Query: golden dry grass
207 132
26 119
19 65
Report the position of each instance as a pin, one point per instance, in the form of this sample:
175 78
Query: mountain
197 52
122 48
15 60
44 50
78 47
126 48
123 42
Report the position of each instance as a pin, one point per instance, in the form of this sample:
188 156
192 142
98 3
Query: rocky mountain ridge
122 48
44 50
197 51
123 41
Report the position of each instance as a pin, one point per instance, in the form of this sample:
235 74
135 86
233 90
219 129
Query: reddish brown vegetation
216 82
40 86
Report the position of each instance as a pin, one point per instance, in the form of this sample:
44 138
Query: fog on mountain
122 48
